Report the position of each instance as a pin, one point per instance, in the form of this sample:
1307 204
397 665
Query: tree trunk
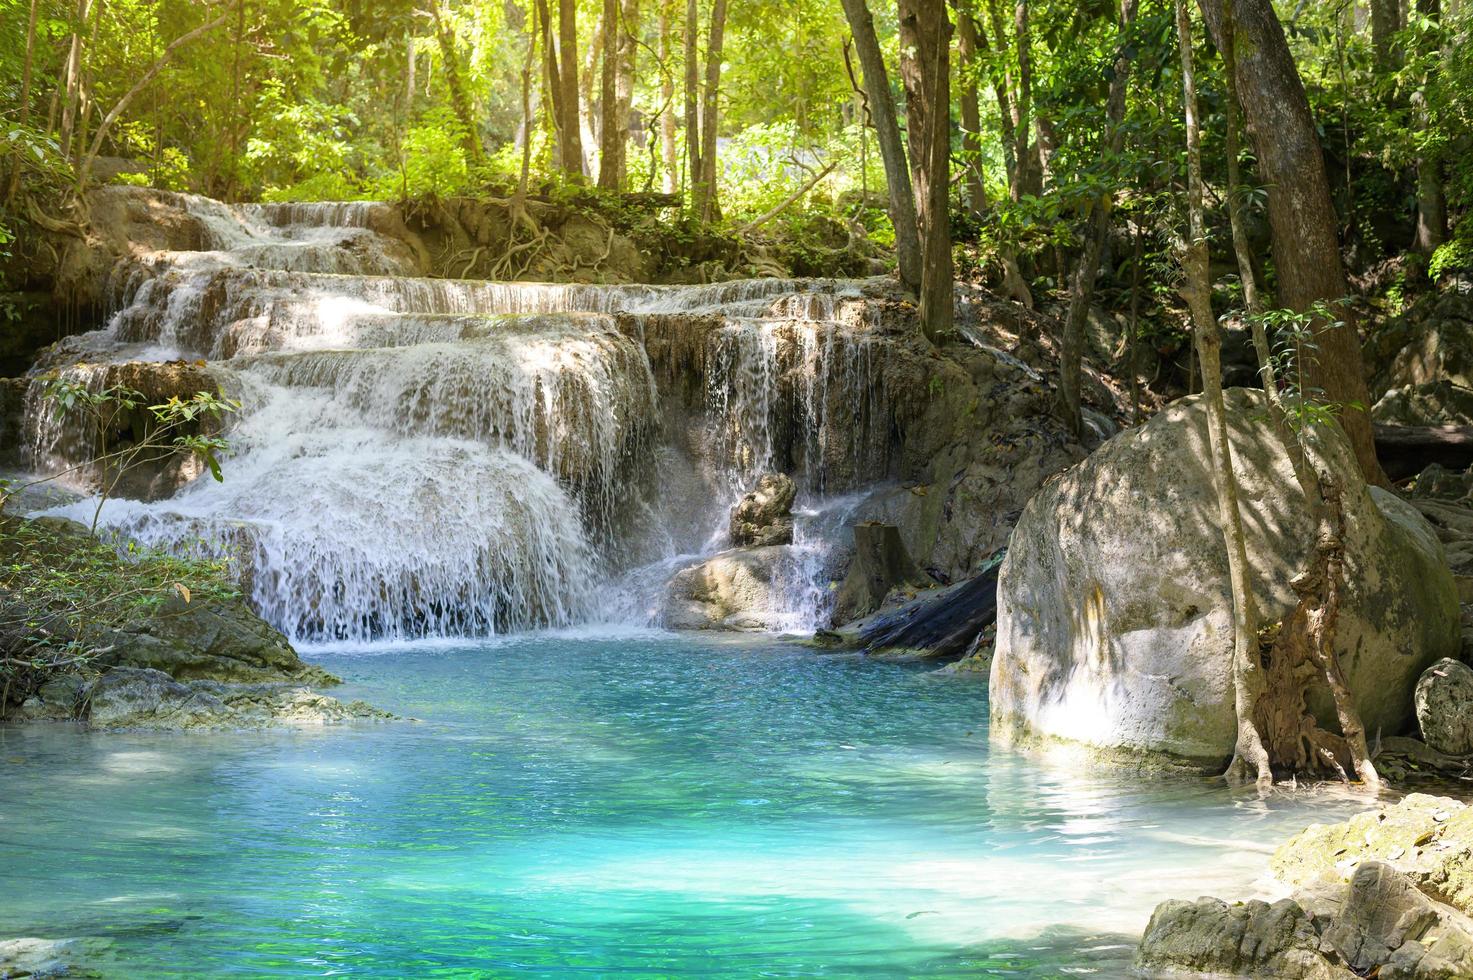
667 100
1301 216
1431 199
628 36
694 170
551 81
925 71
1249 752
72 79
709 207
1385 21
117 110
610 156
25 103
966 48
1007 106
1082 286
453 79
1030 180
892 150
571 131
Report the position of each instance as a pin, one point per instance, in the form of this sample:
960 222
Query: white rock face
1444 704
734 590
1114 625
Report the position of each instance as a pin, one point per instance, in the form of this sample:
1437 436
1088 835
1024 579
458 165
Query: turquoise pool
634 805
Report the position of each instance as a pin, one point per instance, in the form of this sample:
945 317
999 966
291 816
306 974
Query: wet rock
74 441
141 698
32 957
734 590
1114 610
764 516
1444 704
1209 936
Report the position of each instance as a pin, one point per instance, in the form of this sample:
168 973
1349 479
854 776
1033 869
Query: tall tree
691 41
610 141
969 70
1247 671
25 103
1082 284
455 80
571 132
707 205
925 70
669 163
1301 215
883 115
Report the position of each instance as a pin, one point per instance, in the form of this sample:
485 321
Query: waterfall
419 457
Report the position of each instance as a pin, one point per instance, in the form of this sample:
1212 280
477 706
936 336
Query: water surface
634 805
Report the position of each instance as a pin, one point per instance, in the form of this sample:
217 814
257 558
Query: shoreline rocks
200 662
1385 893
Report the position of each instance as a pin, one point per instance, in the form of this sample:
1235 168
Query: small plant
1293 347
170 427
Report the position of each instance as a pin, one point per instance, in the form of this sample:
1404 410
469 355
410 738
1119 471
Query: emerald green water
638 805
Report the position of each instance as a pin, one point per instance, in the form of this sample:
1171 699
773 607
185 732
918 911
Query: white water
429 457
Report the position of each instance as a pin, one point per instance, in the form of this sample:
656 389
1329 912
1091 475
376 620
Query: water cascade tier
417 456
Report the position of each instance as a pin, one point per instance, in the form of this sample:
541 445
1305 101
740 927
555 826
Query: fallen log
943 626
1406 450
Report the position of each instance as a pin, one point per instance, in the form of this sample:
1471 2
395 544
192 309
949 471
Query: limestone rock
1388 923
1432 341
764 516
1209 936
140 698
1114 610
1444 703
1429 403
1427 838
734 590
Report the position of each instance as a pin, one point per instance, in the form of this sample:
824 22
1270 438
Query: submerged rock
33 957
764 516
1444 703
1114 609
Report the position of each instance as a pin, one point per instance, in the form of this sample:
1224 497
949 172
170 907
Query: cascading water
421 456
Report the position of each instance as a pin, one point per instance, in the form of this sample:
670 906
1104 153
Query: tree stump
880 564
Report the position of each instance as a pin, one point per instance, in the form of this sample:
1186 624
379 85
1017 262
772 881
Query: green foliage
66 590
1293 346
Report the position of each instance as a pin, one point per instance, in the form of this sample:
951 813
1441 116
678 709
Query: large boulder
1444 703
734 590
1114 610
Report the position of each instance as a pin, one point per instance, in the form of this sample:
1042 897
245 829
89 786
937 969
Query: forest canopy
744 108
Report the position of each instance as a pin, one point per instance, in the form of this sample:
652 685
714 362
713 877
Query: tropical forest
728 488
